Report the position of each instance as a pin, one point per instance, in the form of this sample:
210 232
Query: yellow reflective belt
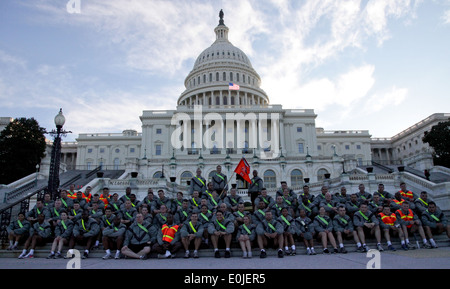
247 229
200 180
192 226
285 220
82 223
271 226
222 226
142 227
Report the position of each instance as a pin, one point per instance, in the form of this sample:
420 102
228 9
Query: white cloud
378 101
161 37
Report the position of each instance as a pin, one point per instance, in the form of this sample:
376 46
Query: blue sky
361 65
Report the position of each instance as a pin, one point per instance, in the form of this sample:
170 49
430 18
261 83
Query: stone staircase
208 251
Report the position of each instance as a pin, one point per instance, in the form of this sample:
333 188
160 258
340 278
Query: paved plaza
413 259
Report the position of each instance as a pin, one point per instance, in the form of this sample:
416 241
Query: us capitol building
302 150
214 124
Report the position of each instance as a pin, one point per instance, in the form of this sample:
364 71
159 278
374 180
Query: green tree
439 139
22 147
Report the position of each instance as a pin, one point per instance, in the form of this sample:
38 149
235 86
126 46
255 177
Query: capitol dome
217 66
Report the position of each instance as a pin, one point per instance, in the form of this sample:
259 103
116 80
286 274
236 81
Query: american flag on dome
233 86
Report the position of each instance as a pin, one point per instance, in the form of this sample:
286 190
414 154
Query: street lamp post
53 179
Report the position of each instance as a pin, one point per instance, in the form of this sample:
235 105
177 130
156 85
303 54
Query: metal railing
23 204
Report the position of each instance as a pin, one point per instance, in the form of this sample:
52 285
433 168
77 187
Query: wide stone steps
208 251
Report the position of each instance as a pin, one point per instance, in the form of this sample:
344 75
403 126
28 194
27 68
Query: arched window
321 175
210 176
296 178
185 177
270 179
237 77
217 100
224 76
217 76
231 76
157 175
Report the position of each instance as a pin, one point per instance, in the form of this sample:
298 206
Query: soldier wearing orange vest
388 222
168 240
105 196
87 194
71 192
410 221
406 193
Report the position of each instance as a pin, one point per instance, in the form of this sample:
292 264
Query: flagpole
227 184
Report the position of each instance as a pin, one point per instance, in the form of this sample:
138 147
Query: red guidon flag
243 169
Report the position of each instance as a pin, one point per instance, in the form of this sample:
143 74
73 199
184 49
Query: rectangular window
102 150
89 151
301 148
131 150
158 150
158 131
358 147
347 147
319 147
299 129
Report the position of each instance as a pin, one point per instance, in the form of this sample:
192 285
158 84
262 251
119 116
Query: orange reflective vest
398 202
104 200
168 232
388 220
407 194
87 198
408 217
71 195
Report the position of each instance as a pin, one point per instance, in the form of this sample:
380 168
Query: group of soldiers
210 214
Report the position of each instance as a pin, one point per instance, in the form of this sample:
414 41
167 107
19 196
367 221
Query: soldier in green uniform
233 200
255 188
246 234
84 232
192 231
204 218
198 183
127 213
435 222
343 227
183 213
63 232
219 181
290 230
113 236
305 231
38 209
40 233
17 231
137 239
366 222
323 226
264 197
219 227
270 230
